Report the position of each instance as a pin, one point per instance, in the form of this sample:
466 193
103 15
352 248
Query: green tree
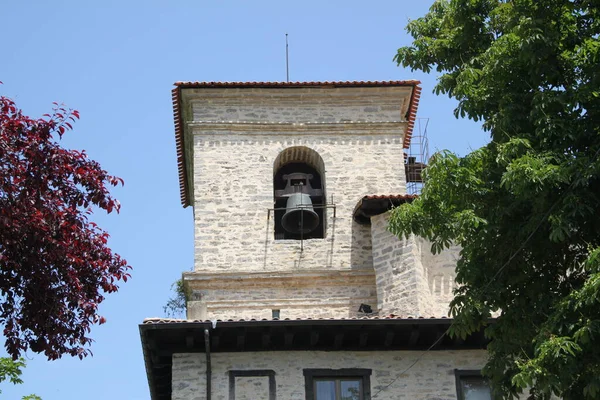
526 207
11 370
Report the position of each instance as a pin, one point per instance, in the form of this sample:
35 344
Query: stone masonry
432 378
234 138
411 281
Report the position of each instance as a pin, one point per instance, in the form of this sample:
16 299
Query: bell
299 215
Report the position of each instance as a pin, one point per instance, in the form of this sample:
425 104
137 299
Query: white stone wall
440 274
233 181
324 105
318 294
236 136
430 378
233 138
251 387
411 281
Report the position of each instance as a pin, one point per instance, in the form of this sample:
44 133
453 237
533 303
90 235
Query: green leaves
524 208
533 173
11 370
176 306
445 212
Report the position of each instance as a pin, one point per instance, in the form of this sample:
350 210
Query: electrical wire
544 218
411 365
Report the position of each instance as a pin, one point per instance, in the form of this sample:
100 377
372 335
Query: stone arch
299 159
301 154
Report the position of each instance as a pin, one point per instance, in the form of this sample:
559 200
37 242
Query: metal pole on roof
287 64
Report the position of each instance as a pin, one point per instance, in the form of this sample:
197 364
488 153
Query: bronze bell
299 215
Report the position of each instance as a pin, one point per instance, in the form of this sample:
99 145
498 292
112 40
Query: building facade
298 289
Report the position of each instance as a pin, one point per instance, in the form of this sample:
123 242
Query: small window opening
470 385
299 196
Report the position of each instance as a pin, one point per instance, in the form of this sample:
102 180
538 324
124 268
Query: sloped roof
161 338
159 320
372 205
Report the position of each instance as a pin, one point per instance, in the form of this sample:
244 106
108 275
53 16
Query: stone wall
410 280
314 294
431 378
325 105
236 135
234 191
440 273
233 139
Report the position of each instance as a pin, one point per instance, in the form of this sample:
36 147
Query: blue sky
116 61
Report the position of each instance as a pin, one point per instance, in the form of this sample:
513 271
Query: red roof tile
386 317
373 205
294 84
391 197
176 99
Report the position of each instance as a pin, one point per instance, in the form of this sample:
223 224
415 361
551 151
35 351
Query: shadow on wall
331 245
267 242
440 272
361 250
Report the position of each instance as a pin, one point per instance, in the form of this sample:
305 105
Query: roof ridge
188 84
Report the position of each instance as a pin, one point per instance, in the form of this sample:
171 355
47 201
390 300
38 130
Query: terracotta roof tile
391 197
386 317
176 99
372 205
163 337
294 84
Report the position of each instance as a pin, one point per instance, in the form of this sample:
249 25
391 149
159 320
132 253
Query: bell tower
282 178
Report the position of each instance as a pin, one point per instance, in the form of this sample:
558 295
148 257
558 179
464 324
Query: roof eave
160 340
180 146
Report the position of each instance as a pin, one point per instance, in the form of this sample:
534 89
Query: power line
412 365
544 218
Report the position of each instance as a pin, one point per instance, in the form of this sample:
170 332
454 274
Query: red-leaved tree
55 265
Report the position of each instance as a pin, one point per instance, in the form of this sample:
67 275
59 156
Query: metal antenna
287 64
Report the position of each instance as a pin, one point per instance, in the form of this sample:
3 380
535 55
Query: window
470 385
338 384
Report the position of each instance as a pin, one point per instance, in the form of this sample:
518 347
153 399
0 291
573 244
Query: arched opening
299 194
